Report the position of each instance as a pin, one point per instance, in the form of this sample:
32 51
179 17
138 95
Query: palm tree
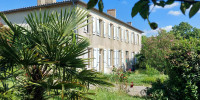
48 52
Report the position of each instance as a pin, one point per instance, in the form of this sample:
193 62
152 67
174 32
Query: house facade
113 43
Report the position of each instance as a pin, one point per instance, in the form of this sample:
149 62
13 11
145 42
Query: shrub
183 72
151 71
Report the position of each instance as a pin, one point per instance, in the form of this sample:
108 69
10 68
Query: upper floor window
109 30
122 34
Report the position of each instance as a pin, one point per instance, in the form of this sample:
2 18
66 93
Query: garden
41 62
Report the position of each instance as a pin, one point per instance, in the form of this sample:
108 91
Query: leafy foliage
142 7
47 55
183 72
155 50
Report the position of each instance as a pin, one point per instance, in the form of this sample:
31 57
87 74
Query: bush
183 71
151 71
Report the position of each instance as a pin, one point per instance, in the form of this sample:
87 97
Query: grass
140 78
105 94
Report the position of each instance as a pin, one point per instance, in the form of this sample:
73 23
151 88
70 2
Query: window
117 33
109 30
96 59
109 57
122 56
114 32
105 58
93 26
125 35
98 26
132 58
132 37
86 28
104 29
122 34
135 38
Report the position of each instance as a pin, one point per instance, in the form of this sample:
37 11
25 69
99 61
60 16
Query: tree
46 56
143 7
156 49
185 30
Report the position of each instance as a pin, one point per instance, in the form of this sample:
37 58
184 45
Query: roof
64 3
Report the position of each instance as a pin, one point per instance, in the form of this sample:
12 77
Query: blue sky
166 17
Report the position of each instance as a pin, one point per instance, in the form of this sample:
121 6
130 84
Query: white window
132 37
86 26
129 37
104 29
135 38
105 58
96 59
117 33
98 27
125 35
94 25
115 58
117 52
132 58
122 56
109 27
114 32
109 58
122 34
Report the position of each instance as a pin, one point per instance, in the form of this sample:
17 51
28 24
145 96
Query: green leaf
169 2
100 5
91 4
137 7
145 11
194 9
183 8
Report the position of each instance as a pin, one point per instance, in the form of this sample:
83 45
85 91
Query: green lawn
140 78
104 94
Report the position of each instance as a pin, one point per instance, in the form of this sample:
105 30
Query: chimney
42 2
112 12
129 23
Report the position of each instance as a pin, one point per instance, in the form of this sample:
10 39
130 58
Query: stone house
113 42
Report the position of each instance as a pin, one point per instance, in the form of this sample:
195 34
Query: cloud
155 32
175 13
124 2
166 7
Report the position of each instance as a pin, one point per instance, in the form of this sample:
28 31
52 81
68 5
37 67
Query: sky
166 17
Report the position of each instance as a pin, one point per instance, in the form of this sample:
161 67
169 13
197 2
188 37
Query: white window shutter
122 57
98 30
105 58
95 58
114 32
132 58
125 35
117 33
122 34
104 29
94 25
117 52
109 59
129 37
135 38
98 60
109 35
115 58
